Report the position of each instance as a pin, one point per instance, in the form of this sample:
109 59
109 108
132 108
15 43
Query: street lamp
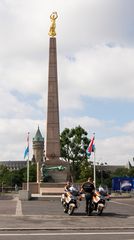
101 170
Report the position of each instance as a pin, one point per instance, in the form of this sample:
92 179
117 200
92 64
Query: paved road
26 220
48 214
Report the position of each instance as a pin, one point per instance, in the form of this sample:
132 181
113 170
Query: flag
26 152
91 147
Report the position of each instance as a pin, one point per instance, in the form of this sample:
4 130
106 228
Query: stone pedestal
34 187
52 188
24 195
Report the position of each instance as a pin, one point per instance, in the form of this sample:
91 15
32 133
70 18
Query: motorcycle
99 201
70 200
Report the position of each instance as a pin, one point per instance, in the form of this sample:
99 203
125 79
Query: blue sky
95 47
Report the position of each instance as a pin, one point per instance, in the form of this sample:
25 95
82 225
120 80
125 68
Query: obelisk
57 170
53 130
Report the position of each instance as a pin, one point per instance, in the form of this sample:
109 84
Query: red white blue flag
91 146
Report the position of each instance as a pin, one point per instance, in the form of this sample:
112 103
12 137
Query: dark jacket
88 187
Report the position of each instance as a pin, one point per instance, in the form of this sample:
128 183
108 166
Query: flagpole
28 164
94 164
94 169
90 149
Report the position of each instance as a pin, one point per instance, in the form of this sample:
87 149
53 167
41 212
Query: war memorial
56 168
51 171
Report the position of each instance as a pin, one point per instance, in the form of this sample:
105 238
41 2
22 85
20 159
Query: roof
14 164
38 137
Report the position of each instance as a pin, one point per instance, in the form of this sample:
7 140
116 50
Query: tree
131 172
74 143
86 170
16 178
103 177
121 172
5 176
32 173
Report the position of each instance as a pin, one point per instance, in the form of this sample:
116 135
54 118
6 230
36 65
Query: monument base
52 188
57 171
24 195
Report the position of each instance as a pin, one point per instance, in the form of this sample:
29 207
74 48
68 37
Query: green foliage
16 178
121 172
9 178
32 173
86 170
5 176
103 177
131 172
74 143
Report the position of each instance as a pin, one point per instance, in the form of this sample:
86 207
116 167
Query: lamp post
101 171
94 169
100 166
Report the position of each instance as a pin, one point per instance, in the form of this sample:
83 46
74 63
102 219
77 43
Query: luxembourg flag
91 146
26 152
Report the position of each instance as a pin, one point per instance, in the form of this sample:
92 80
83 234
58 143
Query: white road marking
130 205
66 233
18 208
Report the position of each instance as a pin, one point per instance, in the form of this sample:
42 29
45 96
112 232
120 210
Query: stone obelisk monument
53 130
52 133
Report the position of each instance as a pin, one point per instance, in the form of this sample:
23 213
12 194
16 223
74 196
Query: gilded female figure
53 18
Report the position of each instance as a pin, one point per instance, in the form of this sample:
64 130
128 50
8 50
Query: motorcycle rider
67 186
66 189
88 188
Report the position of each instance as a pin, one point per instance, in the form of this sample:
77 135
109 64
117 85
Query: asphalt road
45 218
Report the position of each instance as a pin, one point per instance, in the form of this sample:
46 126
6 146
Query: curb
66 228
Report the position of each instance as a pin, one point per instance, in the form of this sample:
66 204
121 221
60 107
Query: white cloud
13 134
115 150
88 123
11 107
27 77
101 72
129 128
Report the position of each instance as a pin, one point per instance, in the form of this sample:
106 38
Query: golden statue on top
53 17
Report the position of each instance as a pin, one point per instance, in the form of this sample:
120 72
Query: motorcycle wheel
70 210
62 202
65 210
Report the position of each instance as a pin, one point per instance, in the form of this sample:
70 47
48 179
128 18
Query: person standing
88 189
